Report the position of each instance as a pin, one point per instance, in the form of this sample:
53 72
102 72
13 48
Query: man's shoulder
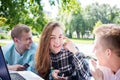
8 46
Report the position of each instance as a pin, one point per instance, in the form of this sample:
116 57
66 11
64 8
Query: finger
22 68
65 47
66 40
62 75
57 71
92 72
94 64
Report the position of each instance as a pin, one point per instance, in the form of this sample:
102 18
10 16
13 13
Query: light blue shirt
12 57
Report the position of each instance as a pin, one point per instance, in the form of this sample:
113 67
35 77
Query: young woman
58 58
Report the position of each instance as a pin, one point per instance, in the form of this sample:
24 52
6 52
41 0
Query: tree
2 21
104 13
66 9
77 24
97 24
28 12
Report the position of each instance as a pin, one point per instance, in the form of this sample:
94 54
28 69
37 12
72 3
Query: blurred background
79 18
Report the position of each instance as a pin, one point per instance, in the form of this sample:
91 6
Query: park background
79 17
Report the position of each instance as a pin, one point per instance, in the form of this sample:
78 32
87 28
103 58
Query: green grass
2 44
75 40
82 41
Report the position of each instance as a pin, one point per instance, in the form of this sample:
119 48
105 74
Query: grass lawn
75 40
78 41
82 41
2 44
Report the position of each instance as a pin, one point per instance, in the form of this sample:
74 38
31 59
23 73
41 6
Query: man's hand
96 72
16 67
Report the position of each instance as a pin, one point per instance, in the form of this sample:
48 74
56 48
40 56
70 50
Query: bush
3 36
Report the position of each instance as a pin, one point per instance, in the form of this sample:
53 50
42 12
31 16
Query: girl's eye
60 37
52 37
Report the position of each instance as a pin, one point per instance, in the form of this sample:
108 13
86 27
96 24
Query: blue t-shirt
12 57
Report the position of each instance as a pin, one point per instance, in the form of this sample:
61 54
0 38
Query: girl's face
56 41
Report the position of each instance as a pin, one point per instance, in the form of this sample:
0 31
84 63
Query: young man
20 53
107 50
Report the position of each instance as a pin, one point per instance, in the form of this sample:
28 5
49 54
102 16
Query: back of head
109 34
18 29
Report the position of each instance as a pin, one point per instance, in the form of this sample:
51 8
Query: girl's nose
57 40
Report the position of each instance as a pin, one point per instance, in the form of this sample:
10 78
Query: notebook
4 73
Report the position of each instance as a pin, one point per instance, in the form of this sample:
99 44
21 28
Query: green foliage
70 6
97 24
77 24
3 36
29 12
82 41
2 21
66 10
84 20
71 14
66 6
2 44
75 40
104 13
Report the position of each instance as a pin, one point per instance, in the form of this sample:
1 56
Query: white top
28 75
109 75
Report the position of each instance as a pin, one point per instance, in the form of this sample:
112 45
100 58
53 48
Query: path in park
86 49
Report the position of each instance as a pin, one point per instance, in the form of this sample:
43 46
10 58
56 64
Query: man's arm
16 67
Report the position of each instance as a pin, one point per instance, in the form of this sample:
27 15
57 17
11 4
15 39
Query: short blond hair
18 29
110 36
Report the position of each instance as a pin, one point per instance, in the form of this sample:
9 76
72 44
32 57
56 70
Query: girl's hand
68 45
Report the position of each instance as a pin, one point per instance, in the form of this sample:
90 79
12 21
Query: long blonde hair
42 55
